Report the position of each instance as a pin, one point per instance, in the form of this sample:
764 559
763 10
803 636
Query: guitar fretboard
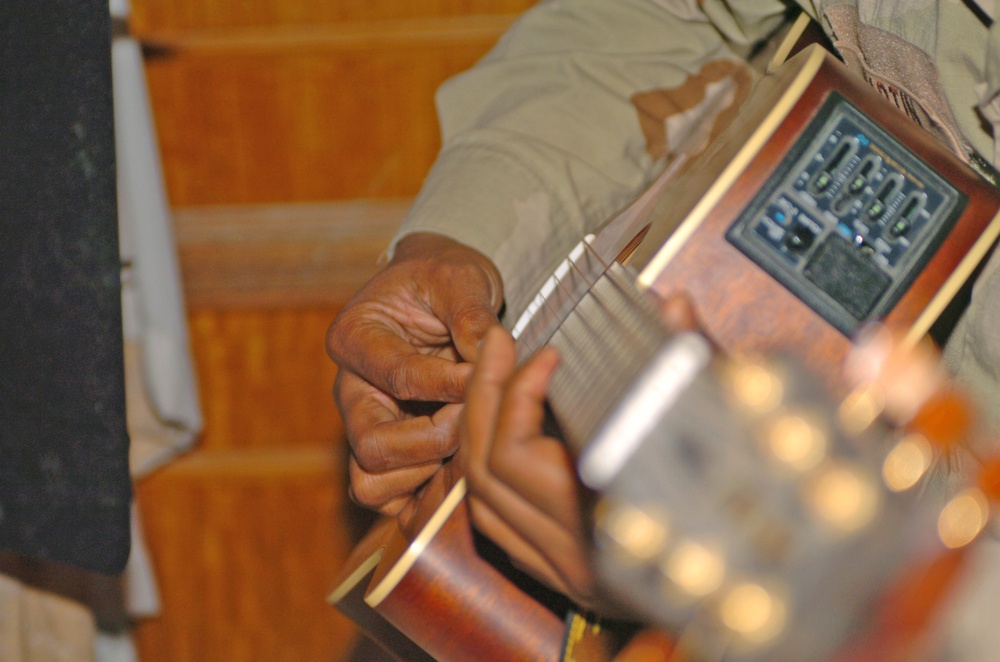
608 334
604 343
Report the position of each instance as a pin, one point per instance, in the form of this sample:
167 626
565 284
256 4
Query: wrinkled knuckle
364 496
364 491
402 379
337 336
447 443
471 313
371 453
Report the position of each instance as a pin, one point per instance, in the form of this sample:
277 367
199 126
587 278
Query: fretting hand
523 488
404 346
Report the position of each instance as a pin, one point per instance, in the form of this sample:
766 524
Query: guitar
818 210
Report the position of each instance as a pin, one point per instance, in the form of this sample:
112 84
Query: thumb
468 327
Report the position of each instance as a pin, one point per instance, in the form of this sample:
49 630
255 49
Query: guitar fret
557 295
604 343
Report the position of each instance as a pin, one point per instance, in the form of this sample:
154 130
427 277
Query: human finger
906 376
383 437
678 313
534 540
523 555
388 491
520 528
469 316
535 466
377 350
497 361
462 287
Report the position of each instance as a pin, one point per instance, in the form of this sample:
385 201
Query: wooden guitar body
431 585
431 594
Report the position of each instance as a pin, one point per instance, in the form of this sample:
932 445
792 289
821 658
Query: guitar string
570 291
577 323
606 340
625 283
577 329
628 288
537 335
593 327
525 343
569 330
528 341
607 273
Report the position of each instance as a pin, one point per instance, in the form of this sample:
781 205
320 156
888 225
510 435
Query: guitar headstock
759 519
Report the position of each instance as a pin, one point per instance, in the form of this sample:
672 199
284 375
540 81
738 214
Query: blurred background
292 134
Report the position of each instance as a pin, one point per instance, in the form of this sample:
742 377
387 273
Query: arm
570 116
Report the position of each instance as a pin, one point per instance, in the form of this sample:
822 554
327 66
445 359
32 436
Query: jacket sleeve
570 115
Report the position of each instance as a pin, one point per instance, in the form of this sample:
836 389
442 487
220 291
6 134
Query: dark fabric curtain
64 484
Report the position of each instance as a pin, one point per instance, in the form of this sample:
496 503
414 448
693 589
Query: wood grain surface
281 255
303 112
150 16
322 112
247 531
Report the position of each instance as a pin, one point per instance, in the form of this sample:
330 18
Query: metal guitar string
605 330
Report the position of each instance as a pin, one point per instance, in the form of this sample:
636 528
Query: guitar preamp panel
849 217
819 208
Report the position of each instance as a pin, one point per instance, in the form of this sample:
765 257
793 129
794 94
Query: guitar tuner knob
696 569
907 462
797 441
963 518
636 535
843 496
753 612
756 386
861 408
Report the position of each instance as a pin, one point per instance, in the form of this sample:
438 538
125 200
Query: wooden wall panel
238 127
325 102
265 378
315 112
245 548
156 15
247 532
273 256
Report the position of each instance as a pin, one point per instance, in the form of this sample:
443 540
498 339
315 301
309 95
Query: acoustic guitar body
434 593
